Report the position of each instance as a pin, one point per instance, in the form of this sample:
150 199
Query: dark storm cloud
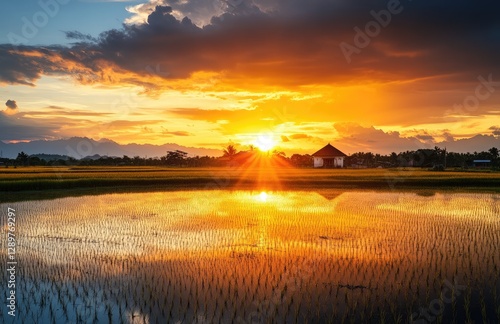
11 104
288 43
17 69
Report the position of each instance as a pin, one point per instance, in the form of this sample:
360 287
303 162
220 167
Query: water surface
223 256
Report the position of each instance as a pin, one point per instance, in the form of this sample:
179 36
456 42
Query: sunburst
265 142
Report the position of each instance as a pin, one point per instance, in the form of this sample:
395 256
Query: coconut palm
230 151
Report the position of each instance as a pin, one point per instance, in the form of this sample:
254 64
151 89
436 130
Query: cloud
200 11
177 133
76 35
476 143
354 137
11 104
284 43
55 111
128 124
495 130
104 1
299 136
448 137
425 138
405 76
24 65
23 129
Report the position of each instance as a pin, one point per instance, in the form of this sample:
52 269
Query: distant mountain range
81 147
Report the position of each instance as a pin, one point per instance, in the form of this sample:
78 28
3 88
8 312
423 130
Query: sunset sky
376 76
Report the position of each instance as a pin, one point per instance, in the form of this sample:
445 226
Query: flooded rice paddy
257 257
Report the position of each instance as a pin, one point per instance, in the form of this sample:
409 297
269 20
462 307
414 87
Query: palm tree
230 151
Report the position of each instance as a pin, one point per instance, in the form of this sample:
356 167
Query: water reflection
219 255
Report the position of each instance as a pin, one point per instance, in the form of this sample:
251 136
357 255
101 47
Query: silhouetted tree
138 161
22 158
175 158
301 161
394 159
230 151
494 152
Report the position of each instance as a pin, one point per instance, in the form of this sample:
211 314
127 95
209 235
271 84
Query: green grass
47 178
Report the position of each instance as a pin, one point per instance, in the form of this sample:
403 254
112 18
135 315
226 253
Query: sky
377 76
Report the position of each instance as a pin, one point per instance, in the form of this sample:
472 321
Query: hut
481 163
328 157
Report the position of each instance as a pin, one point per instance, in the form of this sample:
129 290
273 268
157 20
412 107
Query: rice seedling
240 256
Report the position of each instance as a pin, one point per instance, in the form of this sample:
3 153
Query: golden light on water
202 221
263 196
223 250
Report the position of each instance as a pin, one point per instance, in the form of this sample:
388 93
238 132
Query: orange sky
264 68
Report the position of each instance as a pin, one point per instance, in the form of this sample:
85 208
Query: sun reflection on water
201 221
263 196
219 251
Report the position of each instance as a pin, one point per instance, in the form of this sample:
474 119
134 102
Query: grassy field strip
45 178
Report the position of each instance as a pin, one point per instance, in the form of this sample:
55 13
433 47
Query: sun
265 143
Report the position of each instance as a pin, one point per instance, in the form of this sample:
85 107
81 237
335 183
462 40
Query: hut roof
328 151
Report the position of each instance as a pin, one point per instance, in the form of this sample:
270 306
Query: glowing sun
265 143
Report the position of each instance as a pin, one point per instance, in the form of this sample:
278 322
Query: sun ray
265 142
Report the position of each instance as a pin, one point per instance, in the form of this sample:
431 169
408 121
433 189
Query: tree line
436 158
